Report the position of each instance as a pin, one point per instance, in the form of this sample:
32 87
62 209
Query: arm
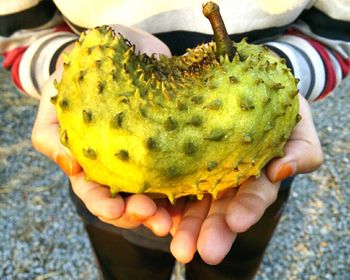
33 51
211 226
31 39
317 48
122 212
318 51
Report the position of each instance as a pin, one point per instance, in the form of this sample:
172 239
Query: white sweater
319 57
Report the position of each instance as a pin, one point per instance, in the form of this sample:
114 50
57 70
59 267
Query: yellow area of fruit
157 131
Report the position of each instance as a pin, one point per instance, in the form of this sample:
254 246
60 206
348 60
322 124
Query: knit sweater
313 36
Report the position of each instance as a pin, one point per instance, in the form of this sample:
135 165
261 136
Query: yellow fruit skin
188 125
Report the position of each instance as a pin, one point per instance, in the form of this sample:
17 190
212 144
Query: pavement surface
41 236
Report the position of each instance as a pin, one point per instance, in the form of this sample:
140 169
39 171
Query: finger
215 238
97 198
160 223
250 203
138 208
45 139
143 41
176 213
45 134
184 243
122 222
128 213
303 152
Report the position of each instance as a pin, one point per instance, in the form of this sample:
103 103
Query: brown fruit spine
223 42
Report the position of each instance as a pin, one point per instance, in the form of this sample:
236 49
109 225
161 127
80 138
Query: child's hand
303 149
126 213
210 226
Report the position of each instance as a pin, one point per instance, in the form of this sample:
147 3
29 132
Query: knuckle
269 196
318 157
111 212
272 197
94 212
38 139
90 204
85 194
97 210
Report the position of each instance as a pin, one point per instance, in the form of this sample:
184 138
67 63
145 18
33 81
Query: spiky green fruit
177 126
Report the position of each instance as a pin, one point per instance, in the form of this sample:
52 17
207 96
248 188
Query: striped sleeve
319 57
39 60
30 48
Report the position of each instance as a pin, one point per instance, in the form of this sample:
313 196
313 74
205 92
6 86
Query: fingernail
287 170
65 164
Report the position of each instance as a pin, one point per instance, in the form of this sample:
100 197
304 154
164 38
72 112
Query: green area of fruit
186 125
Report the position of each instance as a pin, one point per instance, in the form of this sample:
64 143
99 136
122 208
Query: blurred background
41 236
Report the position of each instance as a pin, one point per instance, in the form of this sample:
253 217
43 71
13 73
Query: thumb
45 133
143 41
303 152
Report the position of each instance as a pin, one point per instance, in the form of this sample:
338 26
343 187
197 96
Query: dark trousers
120 259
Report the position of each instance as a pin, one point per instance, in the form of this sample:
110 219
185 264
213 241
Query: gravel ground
42 237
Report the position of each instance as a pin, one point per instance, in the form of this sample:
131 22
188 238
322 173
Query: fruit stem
223 42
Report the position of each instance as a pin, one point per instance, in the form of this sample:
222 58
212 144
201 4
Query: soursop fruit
186 125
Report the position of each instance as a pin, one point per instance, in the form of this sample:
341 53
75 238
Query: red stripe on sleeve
11 61
11 56
330 72
63 28
344 64
331 79
15 72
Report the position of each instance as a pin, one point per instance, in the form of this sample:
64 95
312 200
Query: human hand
122 212
210 226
